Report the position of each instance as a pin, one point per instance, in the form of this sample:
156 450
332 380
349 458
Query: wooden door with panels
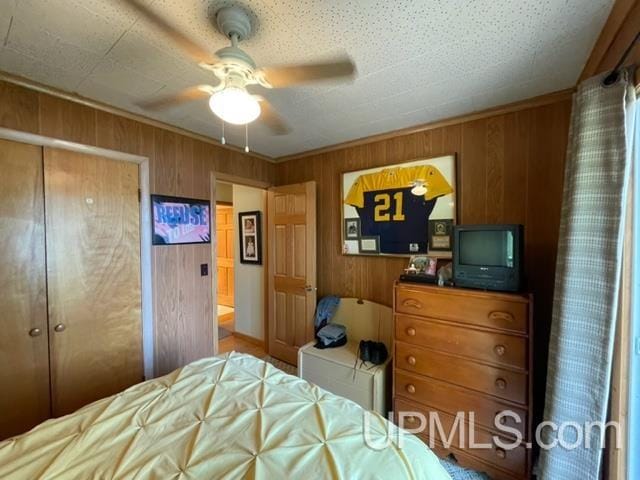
93 272
291 269
24 344
224 253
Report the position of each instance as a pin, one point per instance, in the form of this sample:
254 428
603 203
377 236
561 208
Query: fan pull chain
223 140
246 137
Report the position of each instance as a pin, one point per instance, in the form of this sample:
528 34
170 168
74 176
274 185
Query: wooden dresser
460 350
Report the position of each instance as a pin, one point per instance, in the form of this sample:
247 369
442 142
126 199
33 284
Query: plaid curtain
587 276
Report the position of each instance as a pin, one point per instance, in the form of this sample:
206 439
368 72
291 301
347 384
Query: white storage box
333 368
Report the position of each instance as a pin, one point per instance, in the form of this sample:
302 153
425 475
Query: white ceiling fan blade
289 75
187 95
271 118
195 51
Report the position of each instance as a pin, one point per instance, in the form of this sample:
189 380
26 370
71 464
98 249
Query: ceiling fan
235 70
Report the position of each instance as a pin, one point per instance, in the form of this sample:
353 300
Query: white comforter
231 416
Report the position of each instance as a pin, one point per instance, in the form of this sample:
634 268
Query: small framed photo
250 237
440 235
351 228
369 245
422 265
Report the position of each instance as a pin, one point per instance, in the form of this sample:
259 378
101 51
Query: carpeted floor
285 367
459 473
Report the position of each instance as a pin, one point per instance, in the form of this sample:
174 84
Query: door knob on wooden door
309 288
60 327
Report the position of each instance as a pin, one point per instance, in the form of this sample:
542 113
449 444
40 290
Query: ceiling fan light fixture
235 105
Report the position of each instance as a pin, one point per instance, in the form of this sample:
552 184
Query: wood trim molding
618 31
147 322
249 339
236 180
545 99
72 97
541 100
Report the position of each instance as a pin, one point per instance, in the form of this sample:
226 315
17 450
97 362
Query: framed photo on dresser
400 210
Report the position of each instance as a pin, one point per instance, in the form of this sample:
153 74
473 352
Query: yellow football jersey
388 210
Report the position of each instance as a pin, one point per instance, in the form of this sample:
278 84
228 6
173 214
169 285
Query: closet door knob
35 332
59 328
411 360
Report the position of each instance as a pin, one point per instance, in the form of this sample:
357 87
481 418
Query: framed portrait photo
250 237
409 208
351 228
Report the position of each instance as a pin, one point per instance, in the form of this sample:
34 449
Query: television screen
491 248
180 220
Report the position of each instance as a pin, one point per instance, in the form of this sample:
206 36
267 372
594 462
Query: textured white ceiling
418 61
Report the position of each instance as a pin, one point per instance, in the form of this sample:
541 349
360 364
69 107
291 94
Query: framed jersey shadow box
400 210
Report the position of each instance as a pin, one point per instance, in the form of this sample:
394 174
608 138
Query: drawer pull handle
503 419
411 360
500 350
411 389
411 419
410 302
501 454
497 315
501 383
411 332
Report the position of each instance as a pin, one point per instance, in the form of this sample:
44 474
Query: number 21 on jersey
383 208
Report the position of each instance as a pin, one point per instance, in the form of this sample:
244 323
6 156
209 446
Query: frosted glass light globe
235 105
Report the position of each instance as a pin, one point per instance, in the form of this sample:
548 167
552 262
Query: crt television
489 257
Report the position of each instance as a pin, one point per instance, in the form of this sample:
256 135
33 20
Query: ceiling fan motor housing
234 21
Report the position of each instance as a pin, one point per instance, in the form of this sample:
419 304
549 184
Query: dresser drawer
507 350
496 381
458 436
467 461
470 308
452 399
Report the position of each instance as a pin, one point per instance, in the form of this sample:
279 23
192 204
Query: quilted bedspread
232 416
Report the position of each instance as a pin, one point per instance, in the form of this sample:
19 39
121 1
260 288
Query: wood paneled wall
617 34
179 165
511 169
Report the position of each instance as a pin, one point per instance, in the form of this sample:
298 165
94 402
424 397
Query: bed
231 416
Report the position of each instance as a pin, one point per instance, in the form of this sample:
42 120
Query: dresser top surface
466 292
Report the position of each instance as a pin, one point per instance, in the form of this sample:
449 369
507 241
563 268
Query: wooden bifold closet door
70 300
93 277
24 343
